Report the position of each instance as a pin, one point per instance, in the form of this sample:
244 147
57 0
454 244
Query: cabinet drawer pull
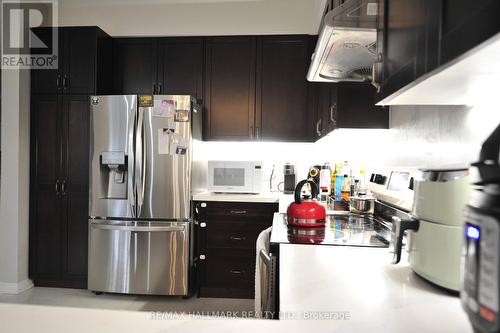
203 225
238 212
202 257
235 271
237 238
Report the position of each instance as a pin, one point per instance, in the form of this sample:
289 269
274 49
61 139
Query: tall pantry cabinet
59 159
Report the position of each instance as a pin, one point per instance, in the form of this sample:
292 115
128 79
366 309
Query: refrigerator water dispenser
113 175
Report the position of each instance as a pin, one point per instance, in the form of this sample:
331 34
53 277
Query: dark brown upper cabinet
346 105
172 65
85 55
135 66
256 88
465 24
404 43
282 89
415 37
180 66
230 88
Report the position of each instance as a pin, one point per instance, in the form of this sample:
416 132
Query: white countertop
378 296
268 197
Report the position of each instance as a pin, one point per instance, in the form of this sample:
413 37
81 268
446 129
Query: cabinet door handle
64 189
238 212
332 114
65 81
154 89
159 88
257 132
375 74
57 187
251 132
237 238
58 82
235 271
318 130
203 225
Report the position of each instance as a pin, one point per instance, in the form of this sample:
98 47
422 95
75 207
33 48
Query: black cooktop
342 230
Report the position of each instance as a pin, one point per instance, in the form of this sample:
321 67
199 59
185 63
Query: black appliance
481 281
289 176
313 174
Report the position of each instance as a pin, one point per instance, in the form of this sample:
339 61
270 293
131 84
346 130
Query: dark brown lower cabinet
227 233
59 190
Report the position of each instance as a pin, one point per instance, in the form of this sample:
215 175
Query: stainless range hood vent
346 47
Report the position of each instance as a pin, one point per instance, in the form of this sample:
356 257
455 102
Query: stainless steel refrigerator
140 191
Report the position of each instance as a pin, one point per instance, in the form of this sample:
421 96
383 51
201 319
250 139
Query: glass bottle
346 188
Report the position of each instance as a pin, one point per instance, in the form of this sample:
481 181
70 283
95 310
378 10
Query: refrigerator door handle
131 187
140 162
173 228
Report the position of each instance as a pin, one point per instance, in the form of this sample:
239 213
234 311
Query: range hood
346 48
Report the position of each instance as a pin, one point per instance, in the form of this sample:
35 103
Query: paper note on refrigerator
164 135
164 108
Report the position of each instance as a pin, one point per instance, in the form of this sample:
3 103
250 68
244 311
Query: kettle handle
298 189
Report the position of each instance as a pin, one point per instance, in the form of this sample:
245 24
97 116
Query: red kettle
306 212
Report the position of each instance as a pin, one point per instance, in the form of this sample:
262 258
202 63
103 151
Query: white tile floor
86 299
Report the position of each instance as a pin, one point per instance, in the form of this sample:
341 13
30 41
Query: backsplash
420 136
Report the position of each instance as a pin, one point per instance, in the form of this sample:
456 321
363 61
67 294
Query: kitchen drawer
229 269
234 234
239 211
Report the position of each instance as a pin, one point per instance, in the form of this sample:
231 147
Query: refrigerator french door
139 224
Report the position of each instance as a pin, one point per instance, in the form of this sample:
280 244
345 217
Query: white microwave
235 176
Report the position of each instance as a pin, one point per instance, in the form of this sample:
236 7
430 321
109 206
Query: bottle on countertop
356 187
324 182
324 178
332 181
345 168
336 171
346 188
352 184
339 181
362 190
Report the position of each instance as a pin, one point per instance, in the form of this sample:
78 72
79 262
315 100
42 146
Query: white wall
193 17
14 191
420 136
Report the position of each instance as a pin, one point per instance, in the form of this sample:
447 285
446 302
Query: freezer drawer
139 257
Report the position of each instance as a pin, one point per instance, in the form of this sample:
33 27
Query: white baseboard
15 288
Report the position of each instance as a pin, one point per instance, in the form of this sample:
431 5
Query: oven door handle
267 291
266 258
